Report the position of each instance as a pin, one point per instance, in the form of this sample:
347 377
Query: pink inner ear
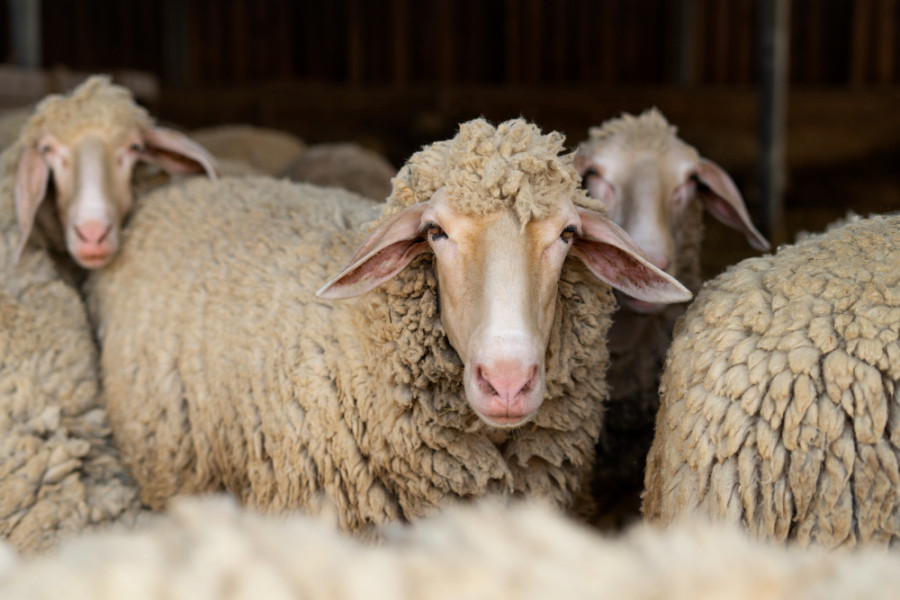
724 202
177 153
32 176
378 268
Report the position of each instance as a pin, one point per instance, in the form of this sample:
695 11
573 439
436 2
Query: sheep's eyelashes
568 234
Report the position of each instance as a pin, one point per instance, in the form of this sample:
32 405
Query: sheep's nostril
92 232
506 380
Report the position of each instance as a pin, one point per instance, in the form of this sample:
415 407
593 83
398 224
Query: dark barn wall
395 74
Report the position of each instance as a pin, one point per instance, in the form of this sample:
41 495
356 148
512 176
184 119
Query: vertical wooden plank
886 41
773 89
354 42
533 41
239 49
25 32
586 49
721 40
859 44
559 38
687 61
513 42
744 42
608 39
400 41
175 46
446 40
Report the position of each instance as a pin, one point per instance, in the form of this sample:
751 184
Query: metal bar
773 91
25 25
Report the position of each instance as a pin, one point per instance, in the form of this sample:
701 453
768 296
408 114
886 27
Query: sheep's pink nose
507 380
92 232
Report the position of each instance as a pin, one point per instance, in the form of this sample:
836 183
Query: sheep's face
89 178
647 189
498 282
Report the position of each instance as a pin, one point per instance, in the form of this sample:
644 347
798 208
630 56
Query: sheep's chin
505 422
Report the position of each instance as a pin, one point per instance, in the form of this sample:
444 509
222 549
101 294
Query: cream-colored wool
634 370
268 150
346 165
229 373
11 123
59 474
781 395
210 549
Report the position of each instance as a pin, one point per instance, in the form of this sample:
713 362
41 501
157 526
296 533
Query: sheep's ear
177 153
723 200
32 175
385 253
611 255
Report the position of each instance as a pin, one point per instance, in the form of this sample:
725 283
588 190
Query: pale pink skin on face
497 282
91 178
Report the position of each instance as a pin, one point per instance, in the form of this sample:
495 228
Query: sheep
87 143
11 123
234 372
59 474
268 150
780 395
346 165
210 548
655 187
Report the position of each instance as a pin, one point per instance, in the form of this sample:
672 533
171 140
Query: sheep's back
201 320
781 395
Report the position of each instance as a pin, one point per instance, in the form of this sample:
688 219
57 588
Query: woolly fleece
348 166
229 373
781 391
634 372
211 549
58 472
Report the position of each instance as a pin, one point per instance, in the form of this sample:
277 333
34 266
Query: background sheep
268 150
780 394
58 471
655 187
211 549
87 143
231 373
348 166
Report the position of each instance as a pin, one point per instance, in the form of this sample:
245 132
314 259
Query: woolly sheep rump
268 150
231 373
346 165
781 392
211 549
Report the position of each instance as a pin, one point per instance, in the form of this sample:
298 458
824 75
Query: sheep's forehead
101 107
648 131
486 169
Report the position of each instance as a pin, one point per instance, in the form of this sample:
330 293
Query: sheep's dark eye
45 149
584 177
568 234
136 148
434 232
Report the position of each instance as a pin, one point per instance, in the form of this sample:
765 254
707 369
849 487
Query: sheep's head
80 150
646 176
498 209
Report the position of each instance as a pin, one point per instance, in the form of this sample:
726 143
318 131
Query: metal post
25 25
773 91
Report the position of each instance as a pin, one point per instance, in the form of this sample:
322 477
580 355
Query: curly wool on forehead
485 169
95 104
647 131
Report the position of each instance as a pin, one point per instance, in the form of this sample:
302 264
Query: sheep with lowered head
781 394
655 186
346 165
464 355
268 150
211 549
69 173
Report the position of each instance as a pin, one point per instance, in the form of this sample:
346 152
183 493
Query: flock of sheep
457 373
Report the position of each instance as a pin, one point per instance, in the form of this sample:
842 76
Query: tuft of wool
648 131
232 374
210 548
780 394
